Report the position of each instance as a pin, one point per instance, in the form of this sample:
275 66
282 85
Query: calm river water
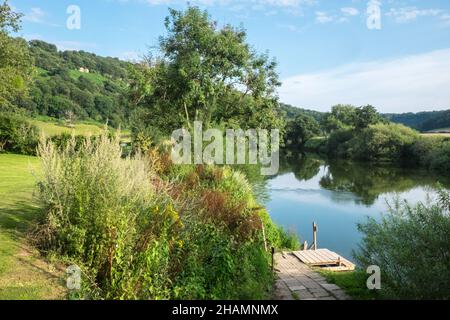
337 195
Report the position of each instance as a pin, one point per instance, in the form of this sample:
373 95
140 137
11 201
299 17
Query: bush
338 142
316 144
143 228
17 135
411 245
387 142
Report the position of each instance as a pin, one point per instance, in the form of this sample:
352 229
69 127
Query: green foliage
354 283
302 128
411 246
316 144
340 117
208 74
15 60
17 134
389 142
423 121
288 240
59 88
143 228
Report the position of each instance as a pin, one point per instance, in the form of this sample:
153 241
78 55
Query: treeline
423 121
363 134
60 90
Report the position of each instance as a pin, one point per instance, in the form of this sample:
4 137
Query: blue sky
326 52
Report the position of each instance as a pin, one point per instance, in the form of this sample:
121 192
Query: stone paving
297 281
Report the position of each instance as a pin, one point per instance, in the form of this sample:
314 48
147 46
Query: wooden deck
325 259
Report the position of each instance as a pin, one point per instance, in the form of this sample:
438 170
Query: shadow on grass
18 219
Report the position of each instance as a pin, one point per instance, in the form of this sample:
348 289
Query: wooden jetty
323 258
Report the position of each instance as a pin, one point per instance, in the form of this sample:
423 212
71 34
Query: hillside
291 112
77 84
423 121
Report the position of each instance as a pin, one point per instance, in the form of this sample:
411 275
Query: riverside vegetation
144 228
140 227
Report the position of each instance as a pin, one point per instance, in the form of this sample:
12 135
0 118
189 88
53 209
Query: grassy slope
52 127
353 283
94 77
23 274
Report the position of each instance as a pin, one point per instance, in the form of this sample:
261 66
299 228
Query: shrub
316 144
388 142
411 245
440 158
17 134
338 142
141 228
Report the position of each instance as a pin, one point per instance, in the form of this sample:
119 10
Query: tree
16 64
208 74
301 129
366 116
341 116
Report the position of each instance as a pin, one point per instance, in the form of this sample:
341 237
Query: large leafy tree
301 129
16 64
206 73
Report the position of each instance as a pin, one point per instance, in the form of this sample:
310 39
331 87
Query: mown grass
353 283
23 274
94 77
53 128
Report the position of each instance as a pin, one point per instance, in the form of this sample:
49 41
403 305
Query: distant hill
82 84
423 121
291 112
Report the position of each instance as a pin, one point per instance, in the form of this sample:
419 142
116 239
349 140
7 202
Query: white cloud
349 11
74 45
131 56
323 17
407 14
411 83
258 4
37 15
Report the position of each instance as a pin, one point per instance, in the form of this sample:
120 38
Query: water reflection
338 195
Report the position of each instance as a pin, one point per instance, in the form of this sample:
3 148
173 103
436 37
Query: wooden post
273 253
314 236
305 245
264 235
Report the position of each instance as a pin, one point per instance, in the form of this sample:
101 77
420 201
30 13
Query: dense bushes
387 143
17 134
383 142
143 228
411 245
433 153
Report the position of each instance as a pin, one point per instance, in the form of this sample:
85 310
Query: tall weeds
142 228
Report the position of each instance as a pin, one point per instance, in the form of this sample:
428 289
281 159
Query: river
338 195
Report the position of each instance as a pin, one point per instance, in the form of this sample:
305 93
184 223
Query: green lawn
23 273
353 283
52 128
94 77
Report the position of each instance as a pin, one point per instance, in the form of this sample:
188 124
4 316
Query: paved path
297 281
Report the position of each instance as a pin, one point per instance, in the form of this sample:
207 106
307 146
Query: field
23 273
94 77
52 127
436 134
